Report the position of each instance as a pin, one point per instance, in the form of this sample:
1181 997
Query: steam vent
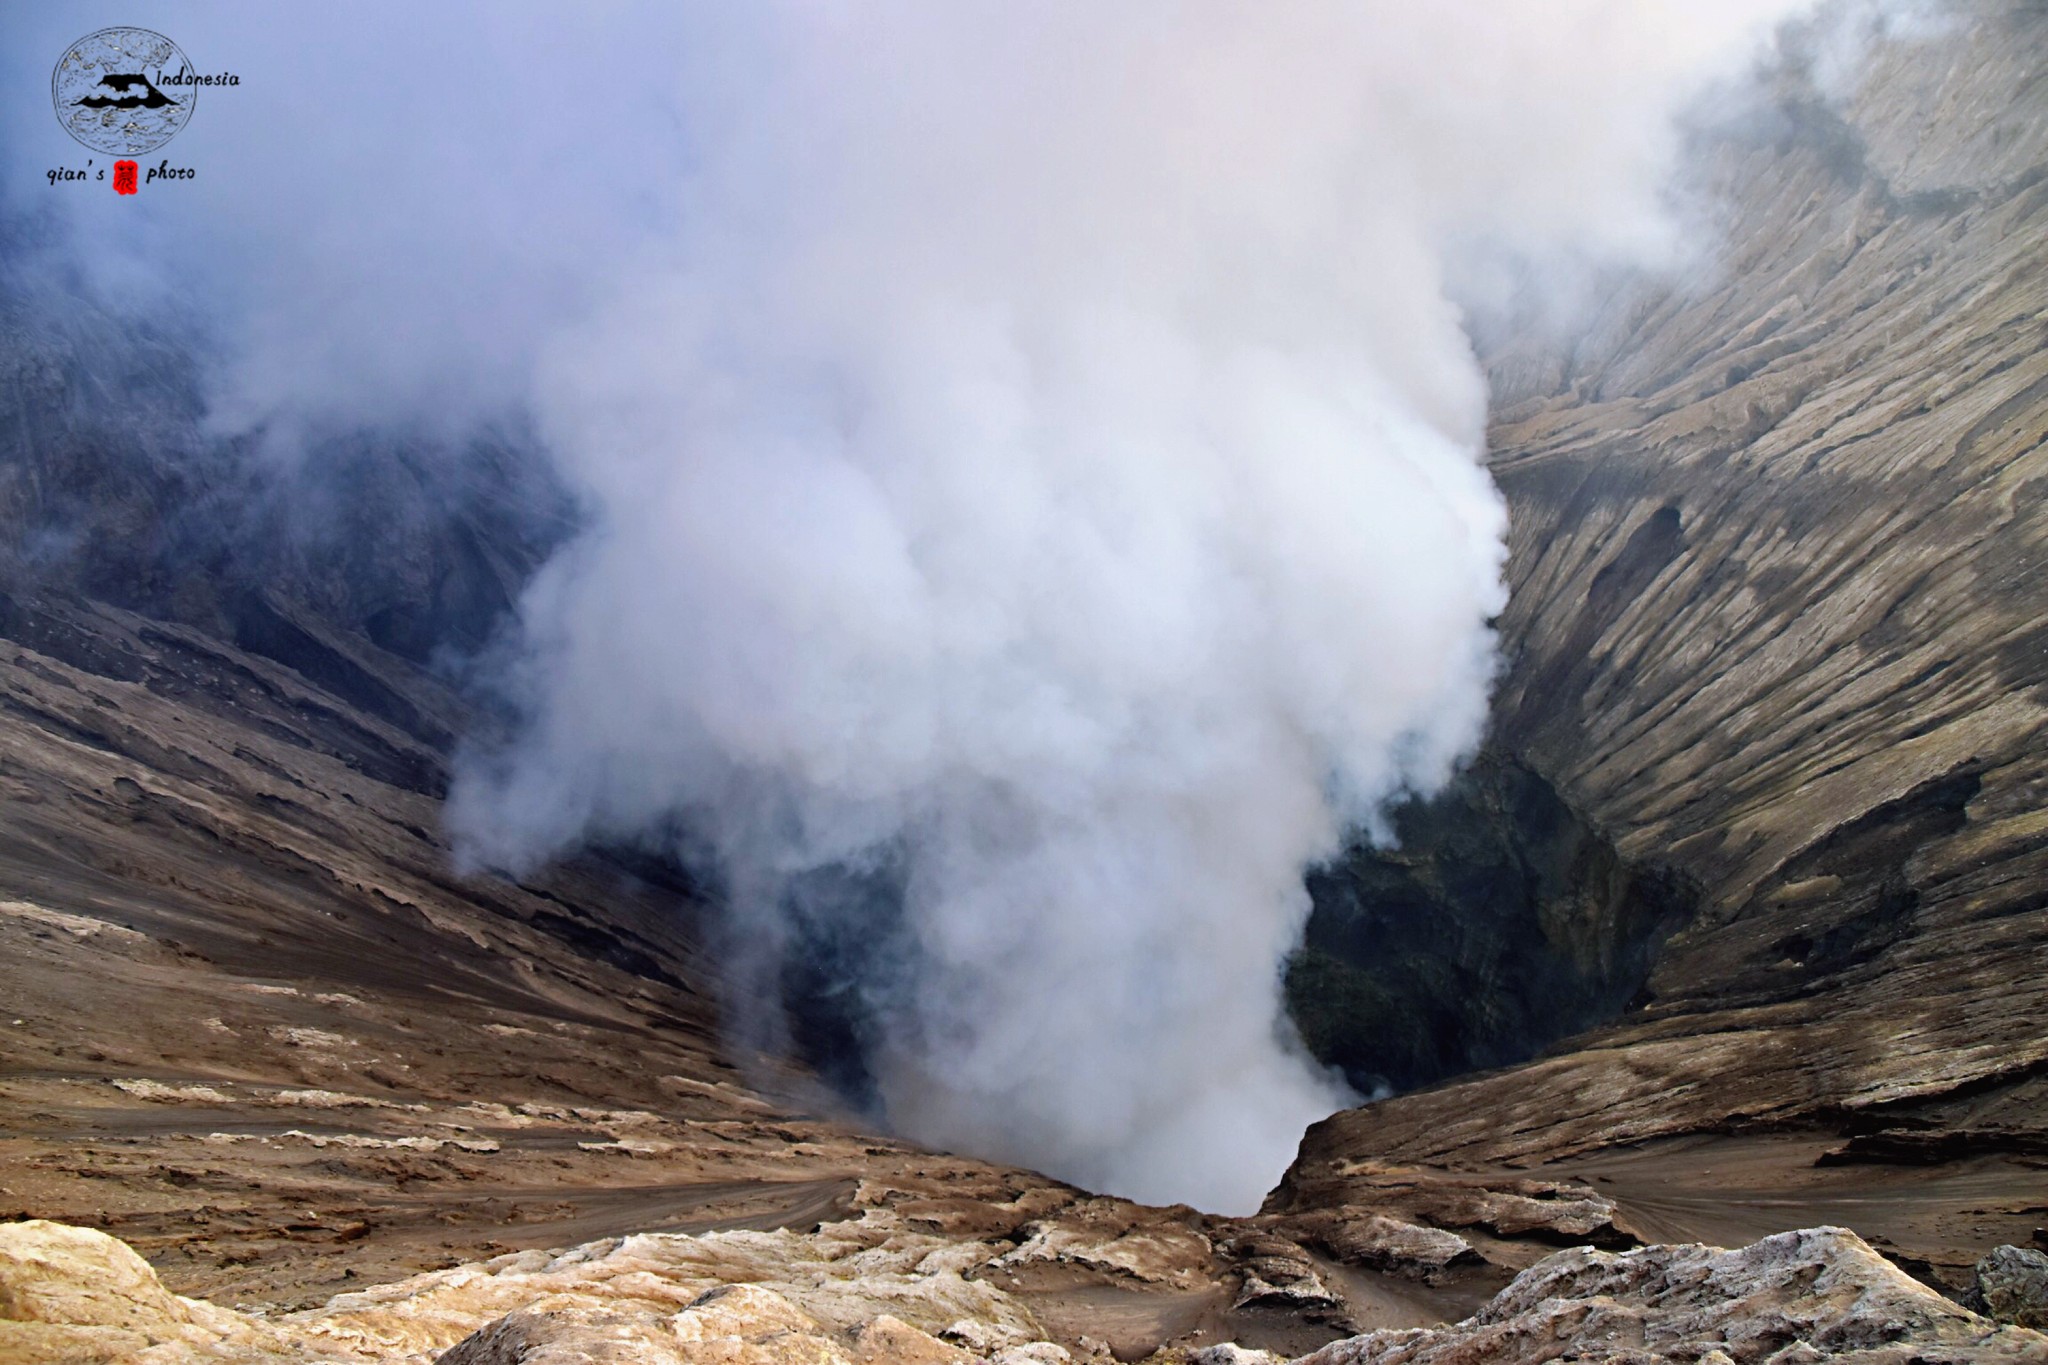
1024 682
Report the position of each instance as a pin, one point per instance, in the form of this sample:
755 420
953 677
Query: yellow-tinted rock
75 1295
571 1336
892 1341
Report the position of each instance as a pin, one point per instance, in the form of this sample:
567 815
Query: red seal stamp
124 177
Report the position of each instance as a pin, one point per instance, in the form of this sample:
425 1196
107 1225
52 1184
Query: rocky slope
257 1028
1776 625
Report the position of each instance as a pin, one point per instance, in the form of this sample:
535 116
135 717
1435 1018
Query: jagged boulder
2012 1286
1359 1236
1277 1273
1793 1299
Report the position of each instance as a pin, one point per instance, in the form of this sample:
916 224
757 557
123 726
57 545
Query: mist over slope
1028 458
1776 620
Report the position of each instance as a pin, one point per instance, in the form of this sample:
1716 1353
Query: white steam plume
1029 444
1049 453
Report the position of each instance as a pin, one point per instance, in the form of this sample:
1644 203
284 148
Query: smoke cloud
1031 453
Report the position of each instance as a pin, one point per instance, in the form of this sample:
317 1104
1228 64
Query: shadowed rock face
111 489
1495 922
1775 623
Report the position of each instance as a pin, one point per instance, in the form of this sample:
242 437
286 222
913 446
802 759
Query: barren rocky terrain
1770 753
880 1291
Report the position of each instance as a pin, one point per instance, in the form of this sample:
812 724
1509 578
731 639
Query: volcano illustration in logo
155 99
105 89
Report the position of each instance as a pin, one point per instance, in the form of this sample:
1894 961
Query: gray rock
1798 1298
2012 1286
1230 1353
1033 1353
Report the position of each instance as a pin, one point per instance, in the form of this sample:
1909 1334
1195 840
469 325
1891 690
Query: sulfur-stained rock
865 1291
73 1294
567 1336
1116 1236
846 1294
52 1272
892 1341
744 1312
